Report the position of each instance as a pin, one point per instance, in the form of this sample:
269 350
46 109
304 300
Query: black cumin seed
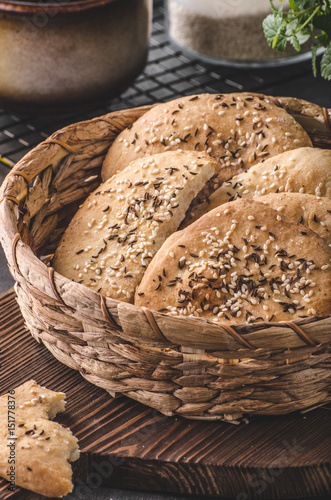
181 264
80 251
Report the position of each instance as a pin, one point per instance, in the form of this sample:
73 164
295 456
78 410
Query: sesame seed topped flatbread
238 130
112 238
303 170
241 262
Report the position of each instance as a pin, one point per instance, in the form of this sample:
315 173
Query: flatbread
112 238
307 209
303 170
34 451
237 129
241 262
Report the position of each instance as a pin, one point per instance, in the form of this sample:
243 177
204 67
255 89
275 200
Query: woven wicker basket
179 366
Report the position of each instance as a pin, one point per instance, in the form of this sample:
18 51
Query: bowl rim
53 7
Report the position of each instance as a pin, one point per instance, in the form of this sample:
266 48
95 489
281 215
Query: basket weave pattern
183 366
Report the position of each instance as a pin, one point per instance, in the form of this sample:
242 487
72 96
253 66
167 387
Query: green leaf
313 58
295 43
326 63
293 5
322 39
301 21
274 30
296 36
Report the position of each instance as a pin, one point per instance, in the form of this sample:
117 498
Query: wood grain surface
127 445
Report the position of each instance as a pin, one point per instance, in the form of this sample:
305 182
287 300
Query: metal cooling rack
168 74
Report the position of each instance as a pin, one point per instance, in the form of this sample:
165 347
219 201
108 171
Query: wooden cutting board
127 445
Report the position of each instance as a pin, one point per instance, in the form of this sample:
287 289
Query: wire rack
169 73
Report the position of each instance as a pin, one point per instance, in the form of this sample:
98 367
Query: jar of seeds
225 31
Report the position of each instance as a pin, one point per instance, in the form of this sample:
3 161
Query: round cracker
239 263
238 130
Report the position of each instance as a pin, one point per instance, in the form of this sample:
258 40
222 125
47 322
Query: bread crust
237 129
240 262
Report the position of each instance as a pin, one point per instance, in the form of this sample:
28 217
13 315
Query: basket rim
13 244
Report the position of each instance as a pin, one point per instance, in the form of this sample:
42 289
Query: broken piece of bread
34 451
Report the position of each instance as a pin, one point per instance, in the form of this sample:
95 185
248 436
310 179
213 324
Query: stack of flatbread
213 206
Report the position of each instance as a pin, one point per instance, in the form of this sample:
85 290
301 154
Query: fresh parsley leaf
301 22
274 30
326 63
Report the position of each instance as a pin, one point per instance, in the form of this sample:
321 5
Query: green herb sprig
300 22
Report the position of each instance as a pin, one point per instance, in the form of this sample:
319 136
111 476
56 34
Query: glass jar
226 32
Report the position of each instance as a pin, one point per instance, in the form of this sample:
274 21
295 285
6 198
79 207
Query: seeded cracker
238 130
239 263
303 170
43 449
307 209
115 234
